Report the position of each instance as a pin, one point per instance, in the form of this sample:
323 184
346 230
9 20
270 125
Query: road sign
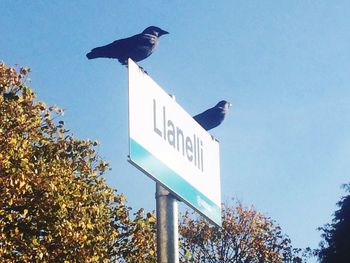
172 148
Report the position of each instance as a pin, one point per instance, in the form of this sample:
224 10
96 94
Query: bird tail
96 53
90 55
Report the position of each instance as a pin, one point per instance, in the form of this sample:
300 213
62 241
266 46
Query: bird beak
229 105
163 32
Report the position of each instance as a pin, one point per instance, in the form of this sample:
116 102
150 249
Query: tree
246 236
54 203
56 207
139 239
336 244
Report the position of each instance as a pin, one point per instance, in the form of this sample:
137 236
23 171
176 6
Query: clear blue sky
284 65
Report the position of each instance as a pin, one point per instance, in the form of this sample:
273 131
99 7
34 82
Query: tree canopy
246 236
336 244
54 203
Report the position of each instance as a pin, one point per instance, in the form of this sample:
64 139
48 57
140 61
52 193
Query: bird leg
143 70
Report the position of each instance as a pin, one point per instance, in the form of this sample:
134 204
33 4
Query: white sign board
172 148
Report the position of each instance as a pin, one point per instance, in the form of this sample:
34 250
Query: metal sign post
167 226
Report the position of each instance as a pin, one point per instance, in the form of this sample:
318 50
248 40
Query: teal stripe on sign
160 172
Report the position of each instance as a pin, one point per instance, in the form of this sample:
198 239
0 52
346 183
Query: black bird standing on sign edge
213 117
137 47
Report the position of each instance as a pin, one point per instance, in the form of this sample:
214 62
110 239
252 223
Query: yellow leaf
24 162
35 242
21 184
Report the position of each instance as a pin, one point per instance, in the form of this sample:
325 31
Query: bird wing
210 118
205 119
115 49
138 47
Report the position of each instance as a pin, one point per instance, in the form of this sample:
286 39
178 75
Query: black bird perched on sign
213 117
137 47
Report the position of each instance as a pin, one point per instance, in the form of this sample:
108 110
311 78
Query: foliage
54 203
246 236
139 239
56 207
336 244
